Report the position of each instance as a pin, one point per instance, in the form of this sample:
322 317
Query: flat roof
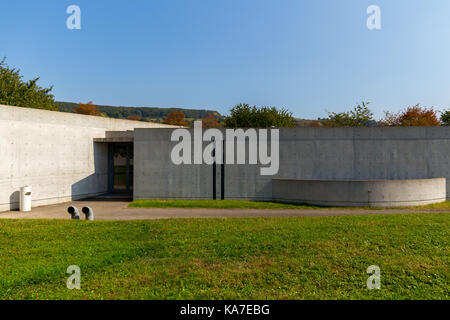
117 136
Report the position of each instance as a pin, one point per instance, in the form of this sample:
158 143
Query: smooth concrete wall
54 153
356 193
381 153
156 177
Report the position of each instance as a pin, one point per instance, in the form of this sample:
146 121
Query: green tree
244 116
360 116
445 118
16 92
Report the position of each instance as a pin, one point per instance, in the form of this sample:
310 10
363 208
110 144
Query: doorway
120 168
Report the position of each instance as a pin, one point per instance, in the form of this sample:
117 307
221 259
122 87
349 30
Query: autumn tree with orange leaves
135 117
413 116
210 121
175 118
315 124
89 109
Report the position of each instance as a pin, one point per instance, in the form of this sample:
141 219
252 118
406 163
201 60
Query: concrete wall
155 177
305 153
54 153
357 193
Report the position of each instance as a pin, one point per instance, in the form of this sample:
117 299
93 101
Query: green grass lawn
256 258
245 204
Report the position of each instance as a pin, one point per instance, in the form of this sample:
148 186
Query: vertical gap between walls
214 175
222 173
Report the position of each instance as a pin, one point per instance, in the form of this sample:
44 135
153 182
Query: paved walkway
118 210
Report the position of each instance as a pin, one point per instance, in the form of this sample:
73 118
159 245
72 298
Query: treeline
142 113
362 116
15 91
243 115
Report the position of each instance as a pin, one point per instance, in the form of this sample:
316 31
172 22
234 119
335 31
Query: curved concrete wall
374 193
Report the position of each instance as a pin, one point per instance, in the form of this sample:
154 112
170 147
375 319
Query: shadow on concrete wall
14 201
96 183
92 185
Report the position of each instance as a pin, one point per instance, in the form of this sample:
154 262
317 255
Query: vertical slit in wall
214 174
222 173
127 170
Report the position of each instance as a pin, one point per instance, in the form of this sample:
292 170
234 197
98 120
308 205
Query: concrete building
322 160
68 156
55 153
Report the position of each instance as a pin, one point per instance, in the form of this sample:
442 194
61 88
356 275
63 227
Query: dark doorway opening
120 168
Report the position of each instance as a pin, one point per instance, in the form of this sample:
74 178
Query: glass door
121 167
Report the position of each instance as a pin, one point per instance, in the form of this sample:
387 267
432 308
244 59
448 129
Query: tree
16 92
445 118
134 117
175 118
360 116
315 124
87 108
412 116
210 121
244 116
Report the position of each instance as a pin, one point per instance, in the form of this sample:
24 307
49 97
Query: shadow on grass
247 204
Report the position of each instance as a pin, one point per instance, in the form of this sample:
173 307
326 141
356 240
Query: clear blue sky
307 56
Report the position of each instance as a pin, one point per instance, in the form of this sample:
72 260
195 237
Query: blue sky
307 56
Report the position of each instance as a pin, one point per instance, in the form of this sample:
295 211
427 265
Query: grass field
258 258
244 204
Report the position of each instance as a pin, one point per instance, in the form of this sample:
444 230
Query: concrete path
118 210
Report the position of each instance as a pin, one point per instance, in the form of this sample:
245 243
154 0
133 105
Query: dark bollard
89 213
73 211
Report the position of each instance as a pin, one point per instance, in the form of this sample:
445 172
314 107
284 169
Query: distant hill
152 114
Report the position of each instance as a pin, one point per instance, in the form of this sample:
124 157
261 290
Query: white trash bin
25 198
